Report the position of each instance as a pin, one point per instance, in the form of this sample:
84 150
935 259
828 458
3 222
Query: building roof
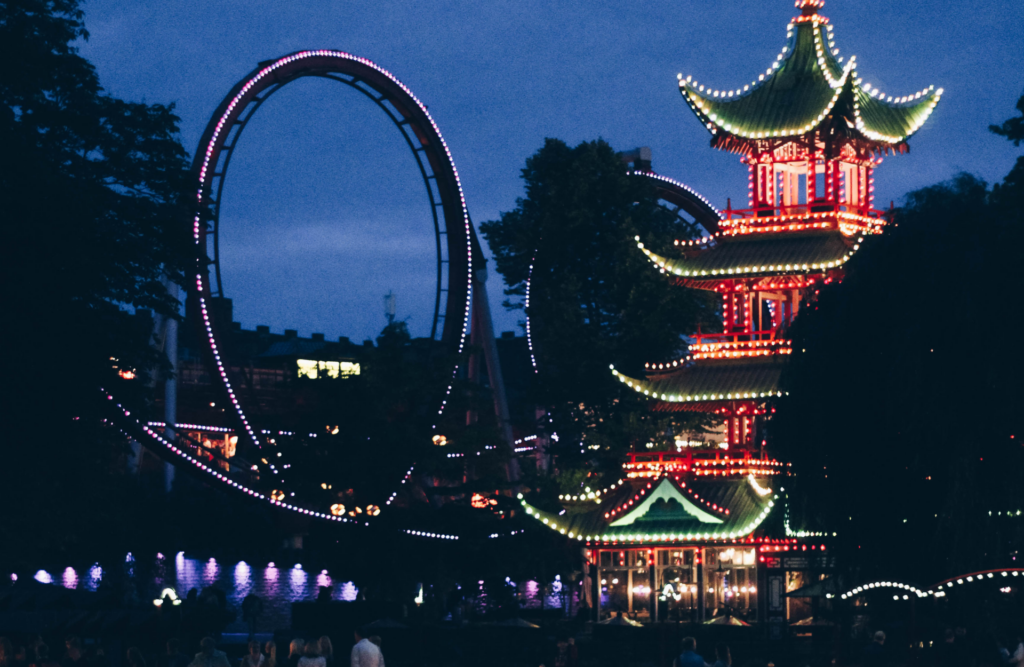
292 347
311 349
666 511
806 85
752 255
707 381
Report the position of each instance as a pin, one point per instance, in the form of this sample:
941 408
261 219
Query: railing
237 466
735 337
702 458
774 211
847 219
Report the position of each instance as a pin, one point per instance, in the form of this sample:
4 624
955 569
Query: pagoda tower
811 133
702 534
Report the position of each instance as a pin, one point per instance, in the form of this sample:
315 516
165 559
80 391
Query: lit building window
313 369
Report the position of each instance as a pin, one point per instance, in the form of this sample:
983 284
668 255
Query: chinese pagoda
696 534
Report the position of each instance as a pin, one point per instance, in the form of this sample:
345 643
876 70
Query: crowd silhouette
301 653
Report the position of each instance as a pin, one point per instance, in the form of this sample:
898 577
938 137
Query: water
279 585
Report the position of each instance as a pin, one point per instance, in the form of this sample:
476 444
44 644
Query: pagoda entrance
679 584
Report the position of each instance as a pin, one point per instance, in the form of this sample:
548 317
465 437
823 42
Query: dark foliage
370 428
904 418
94 194
595 299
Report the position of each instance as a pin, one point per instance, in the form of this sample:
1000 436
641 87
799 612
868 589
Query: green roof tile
706 381
747 511
761 254
801 89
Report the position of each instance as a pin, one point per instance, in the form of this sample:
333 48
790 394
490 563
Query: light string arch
147 435
677 193
941 589
424 139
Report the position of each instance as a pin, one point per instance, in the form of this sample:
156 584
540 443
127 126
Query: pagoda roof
749 255
713 380
803 88
666 510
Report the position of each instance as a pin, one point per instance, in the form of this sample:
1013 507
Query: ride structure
700 533
234 447
453 230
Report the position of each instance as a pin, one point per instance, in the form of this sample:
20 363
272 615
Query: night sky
324 210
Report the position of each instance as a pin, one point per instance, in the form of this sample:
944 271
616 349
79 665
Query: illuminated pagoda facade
702 534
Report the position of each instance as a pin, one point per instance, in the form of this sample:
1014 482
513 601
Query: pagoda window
765 190
850 184
678 585
730 585
819 182
869 187
862 182
625 582
791 183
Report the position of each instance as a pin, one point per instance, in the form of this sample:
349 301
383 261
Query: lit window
307 368
313 369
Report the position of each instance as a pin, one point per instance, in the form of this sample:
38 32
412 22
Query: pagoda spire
802 95
811 133
809 7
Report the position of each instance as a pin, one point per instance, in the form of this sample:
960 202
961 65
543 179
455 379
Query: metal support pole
652 583
700 586
482 319
171 382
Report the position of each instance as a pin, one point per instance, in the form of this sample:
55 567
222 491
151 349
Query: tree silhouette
904 418
94 192
595 300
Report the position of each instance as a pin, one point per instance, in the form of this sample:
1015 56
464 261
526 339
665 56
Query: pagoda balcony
820 215
703 462
743 345
736 339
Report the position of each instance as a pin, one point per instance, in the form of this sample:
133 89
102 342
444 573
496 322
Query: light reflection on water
297 580
95 576
210 572
241 579
348 592
531 596
236 581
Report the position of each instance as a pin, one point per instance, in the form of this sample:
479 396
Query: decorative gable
666 501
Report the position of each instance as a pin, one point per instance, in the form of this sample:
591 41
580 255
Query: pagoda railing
822 215
702 462
802 209
734 337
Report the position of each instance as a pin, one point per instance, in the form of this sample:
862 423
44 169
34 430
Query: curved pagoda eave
799 92
589 529
712 382
760 255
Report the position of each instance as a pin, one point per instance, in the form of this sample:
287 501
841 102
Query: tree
904 419
96 194
594 298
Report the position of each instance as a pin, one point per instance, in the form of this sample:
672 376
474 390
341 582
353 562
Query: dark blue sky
324 211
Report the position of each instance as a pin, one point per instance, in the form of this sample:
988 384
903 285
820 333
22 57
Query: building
268 367
702 533
289 381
